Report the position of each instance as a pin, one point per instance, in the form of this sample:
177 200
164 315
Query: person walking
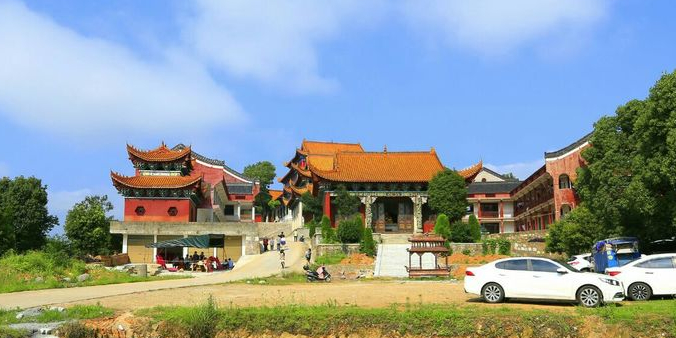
295 235
308 255
282 257
278 243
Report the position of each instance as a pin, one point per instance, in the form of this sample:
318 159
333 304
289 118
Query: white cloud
520 169
59 202
55 79
4 169
495 27
274 41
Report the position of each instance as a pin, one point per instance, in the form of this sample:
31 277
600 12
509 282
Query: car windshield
625 258
565 265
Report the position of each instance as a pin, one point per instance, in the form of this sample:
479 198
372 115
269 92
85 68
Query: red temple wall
566 165
156 210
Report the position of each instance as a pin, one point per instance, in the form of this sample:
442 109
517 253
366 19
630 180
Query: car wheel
639 291
493 293
589 296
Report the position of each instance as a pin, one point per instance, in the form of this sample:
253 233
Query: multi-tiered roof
349 164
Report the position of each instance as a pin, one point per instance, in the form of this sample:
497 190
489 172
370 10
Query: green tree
312 205
263 171
367 245
346 204
575 233
350 230
474 228
261 202
328 233
88 226
442 227
448 194
629 183
7 240
24 203
461 232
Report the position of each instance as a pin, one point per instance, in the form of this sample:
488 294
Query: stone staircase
392 260
395 238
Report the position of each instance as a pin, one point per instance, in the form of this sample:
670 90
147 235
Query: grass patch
37 270
6 332
75 312
658 314
280 279
330 259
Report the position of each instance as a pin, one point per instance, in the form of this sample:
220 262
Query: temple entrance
392 215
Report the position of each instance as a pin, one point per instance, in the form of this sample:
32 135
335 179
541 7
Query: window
140 211
229 210
483 179
515 264
172 211
543 266
491 228
565 209
564 182
657 263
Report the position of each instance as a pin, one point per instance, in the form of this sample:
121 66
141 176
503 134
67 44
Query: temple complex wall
566 164
157 210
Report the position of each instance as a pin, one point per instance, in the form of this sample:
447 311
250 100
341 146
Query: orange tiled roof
159 154
471 171
172 182
315 147
275 194
321 162
383 167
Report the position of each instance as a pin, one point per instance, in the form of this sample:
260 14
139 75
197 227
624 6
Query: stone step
392 260
395 238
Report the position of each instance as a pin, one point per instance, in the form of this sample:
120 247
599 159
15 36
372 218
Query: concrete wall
474 248
323 249
157 210
521 245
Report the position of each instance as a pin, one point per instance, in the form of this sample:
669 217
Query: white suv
540 278
648 276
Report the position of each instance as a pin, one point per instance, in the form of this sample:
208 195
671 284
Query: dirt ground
366 293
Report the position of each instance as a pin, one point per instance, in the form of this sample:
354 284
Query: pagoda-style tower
162 189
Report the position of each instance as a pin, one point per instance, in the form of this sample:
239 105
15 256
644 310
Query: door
659 273
513 275
547 283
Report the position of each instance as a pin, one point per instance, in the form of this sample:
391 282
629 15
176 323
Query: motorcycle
313 276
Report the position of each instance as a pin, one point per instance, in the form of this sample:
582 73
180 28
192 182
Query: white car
540 278
648 276
581 262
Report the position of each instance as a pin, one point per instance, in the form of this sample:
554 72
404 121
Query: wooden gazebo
421 245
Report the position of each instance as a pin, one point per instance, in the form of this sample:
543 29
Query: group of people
200 262
279 242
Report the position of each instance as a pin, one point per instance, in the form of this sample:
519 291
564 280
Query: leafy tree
629 183
88 226
442 227
58 246
350 230
328 233
509 176
312 225
24 204
346 204
461 232
448 194
263 171
367 245
474 228
575 233
7 240
312 205
261 202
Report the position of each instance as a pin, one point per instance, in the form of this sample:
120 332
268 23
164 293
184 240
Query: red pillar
327 206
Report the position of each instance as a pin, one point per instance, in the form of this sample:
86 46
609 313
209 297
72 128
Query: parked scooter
313 276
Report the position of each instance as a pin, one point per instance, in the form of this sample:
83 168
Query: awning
202 241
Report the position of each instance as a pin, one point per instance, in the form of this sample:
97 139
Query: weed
76 330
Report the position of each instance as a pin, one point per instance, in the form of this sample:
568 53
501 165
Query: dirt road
362 293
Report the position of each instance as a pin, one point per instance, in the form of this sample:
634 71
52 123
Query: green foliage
576 233
448 194
504 247
88 227
442 227
7 332
201 323
467 252
330 259
629 183
274 204
263 171
367 245
312 225
474 228
76 330
350 230
328 233
262 202
488 246
461 233
23 205
312 205
346 204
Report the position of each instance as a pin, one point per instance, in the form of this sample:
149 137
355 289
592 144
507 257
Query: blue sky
245 81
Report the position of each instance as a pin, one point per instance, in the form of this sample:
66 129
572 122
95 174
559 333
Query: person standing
278 243
295 235
282 257
265 244
308 255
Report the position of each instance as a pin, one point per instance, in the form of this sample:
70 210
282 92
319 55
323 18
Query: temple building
177 192
490 200
392 186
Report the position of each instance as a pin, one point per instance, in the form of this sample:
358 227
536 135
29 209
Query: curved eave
159 154
161 182
300 191
470 172
306 173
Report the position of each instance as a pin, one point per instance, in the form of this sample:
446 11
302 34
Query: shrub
442 227
201 323
76 330
474 228
467 252
312 225
460 233
328 233
504 247
367 245
488 246
350 230
330 259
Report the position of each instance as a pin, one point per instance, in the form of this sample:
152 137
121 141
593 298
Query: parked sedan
540 278
581 262
648 276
